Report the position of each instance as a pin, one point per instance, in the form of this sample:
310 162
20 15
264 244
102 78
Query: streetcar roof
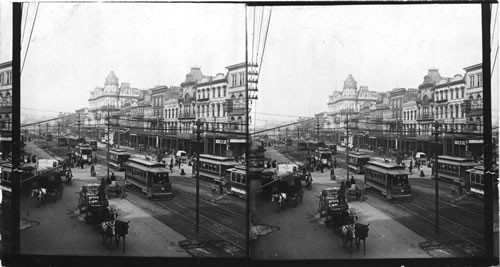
238 169
226 163
385 165
475 170
456 159
464 162
358 155
215 157
119 152
145 163
155 168
393 171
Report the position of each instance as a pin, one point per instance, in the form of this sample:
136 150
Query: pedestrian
82 162
335 163
353 182
171 166
92 170
322 168
332 174
113 177
410 169
171 163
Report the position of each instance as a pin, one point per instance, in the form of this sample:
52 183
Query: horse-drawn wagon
332 206
287 189
48 185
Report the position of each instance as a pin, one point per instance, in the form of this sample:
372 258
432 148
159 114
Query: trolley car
83 151
476 182
214 167
388 178
75 141
453 169
92 143
151 177
62 141
357 161
236 181
118 158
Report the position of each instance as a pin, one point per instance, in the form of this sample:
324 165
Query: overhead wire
29 40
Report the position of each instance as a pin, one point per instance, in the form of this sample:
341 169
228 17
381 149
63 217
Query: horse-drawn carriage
48 185
114 188
90 203
288 190
332 206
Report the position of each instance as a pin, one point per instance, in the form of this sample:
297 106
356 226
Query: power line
29 40
25 19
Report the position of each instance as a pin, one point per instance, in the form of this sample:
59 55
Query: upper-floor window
218 91
479 79
213 92
224 91
456 93
242 78
233 80
471 80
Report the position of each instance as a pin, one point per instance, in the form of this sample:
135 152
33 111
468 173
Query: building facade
5 108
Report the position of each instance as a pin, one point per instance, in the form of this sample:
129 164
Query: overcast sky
75 46
310 51
5 32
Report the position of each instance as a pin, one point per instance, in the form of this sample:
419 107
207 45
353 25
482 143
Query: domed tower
350 86
111 83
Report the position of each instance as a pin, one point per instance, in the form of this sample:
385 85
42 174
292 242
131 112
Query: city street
164 228
403 226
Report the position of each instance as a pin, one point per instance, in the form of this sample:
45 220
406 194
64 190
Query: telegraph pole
198 132
78 123
107 154
347 145
436 183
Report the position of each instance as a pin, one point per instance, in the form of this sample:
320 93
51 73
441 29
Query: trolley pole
436 183
198 132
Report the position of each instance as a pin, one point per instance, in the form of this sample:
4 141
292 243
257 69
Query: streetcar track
218 207
185 217
243 237
449 231
400 205
449 220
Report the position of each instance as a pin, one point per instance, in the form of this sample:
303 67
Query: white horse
280 199
108 231
39 194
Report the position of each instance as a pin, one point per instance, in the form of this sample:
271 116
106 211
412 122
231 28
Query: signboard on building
459 142
477 141
219 141
241 141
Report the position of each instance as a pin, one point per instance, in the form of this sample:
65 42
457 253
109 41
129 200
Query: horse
39 193
121 229
280 199
108 231
361 234
348 234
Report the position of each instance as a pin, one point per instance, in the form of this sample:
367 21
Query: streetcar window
399 180
480 179
243 179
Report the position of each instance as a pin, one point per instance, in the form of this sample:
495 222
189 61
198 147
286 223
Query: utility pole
198 132
78 123
347 145
107 154
57 136
436 183
298 141
286 139
317 130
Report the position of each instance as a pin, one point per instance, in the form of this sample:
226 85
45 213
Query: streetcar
74 141
118 158
324 155
388 178
289 142
62 141
83 151
453 169
332 147
92 143
357 161
236 181
213 167
302 145
49 137
475 177
150 176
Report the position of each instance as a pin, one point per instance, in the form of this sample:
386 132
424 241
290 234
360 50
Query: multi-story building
237 108
345 105
5 108
111 96
211 93
474 108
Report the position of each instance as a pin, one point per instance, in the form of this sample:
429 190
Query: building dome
194 75
432 77
111 79
350 83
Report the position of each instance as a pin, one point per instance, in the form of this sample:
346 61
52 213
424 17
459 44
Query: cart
50 183
330 206
114 188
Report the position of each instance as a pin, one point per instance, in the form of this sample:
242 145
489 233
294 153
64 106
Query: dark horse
121 229
361 234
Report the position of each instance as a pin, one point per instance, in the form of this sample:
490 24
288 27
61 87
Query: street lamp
198 132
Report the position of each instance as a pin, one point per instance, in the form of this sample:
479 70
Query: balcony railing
425 117
187 115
